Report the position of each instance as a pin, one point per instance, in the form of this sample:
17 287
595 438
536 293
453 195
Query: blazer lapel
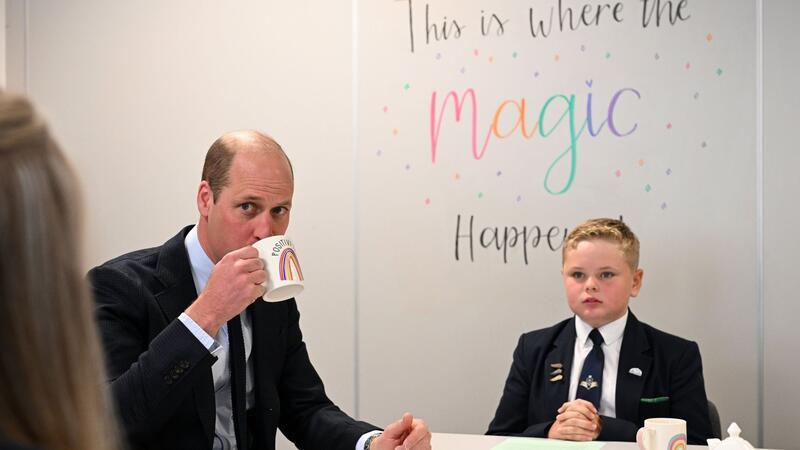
175 273
560 357
632 356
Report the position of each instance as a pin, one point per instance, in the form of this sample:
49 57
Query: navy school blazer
670 367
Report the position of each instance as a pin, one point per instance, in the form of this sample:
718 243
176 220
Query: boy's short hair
606 229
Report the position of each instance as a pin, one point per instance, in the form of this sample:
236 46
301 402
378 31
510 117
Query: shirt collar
611 332
200 262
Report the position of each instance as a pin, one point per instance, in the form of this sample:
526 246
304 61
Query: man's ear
205 198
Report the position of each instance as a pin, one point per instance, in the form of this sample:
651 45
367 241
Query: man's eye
246 206
280 210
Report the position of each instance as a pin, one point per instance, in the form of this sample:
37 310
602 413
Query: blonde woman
51 373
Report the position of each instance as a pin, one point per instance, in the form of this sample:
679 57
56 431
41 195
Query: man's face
599 282
254 205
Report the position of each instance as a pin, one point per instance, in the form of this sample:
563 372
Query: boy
599 374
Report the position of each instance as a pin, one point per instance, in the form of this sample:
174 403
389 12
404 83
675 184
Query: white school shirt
224 433
612 343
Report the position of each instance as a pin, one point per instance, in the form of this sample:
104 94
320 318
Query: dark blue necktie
238 381
590 385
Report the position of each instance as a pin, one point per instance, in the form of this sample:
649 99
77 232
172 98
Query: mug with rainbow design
284 276
663 433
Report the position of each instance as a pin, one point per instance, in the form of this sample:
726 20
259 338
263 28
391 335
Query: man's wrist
369 440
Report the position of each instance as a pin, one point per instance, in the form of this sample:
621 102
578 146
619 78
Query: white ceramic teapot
732 442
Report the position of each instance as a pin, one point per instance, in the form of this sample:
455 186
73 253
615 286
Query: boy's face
598 281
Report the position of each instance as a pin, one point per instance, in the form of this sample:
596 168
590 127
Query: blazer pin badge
556 374
635 371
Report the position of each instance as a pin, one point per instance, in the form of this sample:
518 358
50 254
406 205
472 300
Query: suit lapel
175 273
557 392
632 356
266 353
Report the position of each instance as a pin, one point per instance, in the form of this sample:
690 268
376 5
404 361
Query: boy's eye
606 275
577 275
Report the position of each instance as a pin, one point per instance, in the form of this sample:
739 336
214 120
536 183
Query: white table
448 441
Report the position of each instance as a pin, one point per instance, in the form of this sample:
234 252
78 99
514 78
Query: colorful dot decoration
618 173
648 188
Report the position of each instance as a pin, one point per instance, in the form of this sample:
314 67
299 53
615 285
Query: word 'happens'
505 239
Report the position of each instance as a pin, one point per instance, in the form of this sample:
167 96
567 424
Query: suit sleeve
511 418
687 401
308 417
149 377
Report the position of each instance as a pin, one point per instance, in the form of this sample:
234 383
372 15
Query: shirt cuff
208 342
363 439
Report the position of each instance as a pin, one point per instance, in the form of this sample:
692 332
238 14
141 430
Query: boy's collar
611 332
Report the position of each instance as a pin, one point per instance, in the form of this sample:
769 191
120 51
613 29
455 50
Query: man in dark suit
599 374
196 361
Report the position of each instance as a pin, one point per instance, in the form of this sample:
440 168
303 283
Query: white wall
781 223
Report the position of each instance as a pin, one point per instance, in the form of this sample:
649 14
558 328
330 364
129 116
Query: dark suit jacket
161 375
670 367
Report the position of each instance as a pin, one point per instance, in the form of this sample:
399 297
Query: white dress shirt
612 343
224 433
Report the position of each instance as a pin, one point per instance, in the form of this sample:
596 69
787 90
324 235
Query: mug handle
644 438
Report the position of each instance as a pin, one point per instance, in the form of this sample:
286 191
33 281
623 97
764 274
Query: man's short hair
611 230
220 155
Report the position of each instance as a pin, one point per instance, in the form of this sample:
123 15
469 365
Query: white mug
662 434
284 276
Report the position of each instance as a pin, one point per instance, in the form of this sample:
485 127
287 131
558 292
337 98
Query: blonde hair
52 390
609 230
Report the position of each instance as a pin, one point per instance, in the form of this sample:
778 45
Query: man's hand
406 434
234 284
577 420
